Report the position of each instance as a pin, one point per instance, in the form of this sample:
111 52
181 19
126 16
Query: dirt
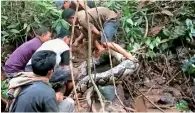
160 80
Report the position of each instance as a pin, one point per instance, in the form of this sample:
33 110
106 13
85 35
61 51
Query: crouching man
61 48
31 92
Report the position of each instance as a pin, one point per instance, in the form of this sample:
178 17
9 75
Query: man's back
18 59
39 97
104 13
56 45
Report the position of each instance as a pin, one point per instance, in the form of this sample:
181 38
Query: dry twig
89 61
71 64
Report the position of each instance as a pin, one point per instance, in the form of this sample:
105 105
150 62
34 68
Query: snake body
125 68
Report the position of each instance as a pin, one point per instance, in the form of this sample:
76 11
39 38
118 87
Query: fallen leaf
167 12
140 105
155 30
142 3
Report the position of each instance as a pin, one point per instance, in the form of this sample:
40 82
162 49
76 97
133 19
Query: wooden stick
89 61
71 64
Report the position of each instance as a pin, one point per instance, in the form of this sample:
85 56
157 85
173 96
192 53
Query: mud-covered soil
161 80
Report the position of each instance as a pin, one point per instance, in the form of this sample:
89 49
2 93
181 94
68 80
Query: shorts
110 29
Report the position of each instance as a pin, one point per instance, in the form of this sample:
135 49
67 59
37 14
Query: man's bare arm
82 3
95 31
78 39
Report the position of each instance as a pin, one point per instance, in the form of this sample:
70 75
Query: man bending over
20 57
109 21
61 48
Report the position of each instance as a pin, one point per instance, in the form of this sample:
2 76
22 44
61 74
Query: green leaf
4 33
13 25
14 31
129 47
139 21
150 54
25 25
164 46
126 11
58 28
148 42
4 17
156 42
166 32
136 46
64 24
36 19
182 105
129 21
28 29
189 23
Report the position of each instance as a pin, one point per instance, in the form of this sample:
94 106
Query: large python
123 69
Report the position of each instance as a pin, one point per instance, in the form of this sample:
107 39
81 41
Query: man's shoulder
43 87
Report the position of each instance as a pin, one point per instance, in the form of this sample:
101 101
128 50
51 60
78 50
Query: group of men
40 67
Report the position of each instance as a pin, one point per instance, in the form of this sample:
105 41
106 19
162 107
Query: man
61 48
109 21
63 4
19 58
38 96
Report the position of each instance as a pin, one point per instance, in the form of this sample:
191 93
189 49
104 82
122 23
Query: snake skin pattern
125 68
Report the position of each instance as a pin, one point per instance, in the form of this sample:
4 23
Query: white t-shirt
56 45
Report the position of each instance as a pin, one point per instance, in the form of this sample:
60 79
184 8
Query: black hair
67 13
42 30
63 32
43 61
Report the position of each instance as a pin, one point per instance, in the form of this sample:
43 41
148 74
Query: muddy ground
157 85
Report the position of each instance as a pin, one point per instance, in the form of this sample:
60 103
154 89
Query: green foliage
20 19
179 26
4 87
182 105
189 66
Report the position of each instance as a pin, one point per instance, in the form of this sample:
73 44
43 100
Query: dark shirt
39 97
20 57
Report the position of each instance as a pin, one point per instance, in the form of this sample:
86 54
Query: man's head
63 4
44 34
43 63
68 15
64 35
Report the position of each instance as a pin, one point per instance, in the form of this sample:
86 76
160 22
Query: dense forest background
161 34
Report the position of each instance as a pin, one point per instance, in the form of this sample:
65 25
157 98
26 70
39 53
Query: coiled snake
125 68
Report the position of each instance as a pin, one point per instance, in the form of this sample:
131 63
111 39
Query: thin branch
89 61
71 64
173 77
111 65
146 19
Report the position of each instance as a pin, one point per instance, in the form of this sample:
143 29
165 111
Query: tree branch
89 61
71 64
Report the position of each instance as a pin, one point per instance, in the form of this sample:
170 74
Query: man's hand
95 31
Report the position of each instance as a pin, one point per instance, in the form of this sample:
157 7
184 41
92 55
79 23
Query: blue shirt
38 97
